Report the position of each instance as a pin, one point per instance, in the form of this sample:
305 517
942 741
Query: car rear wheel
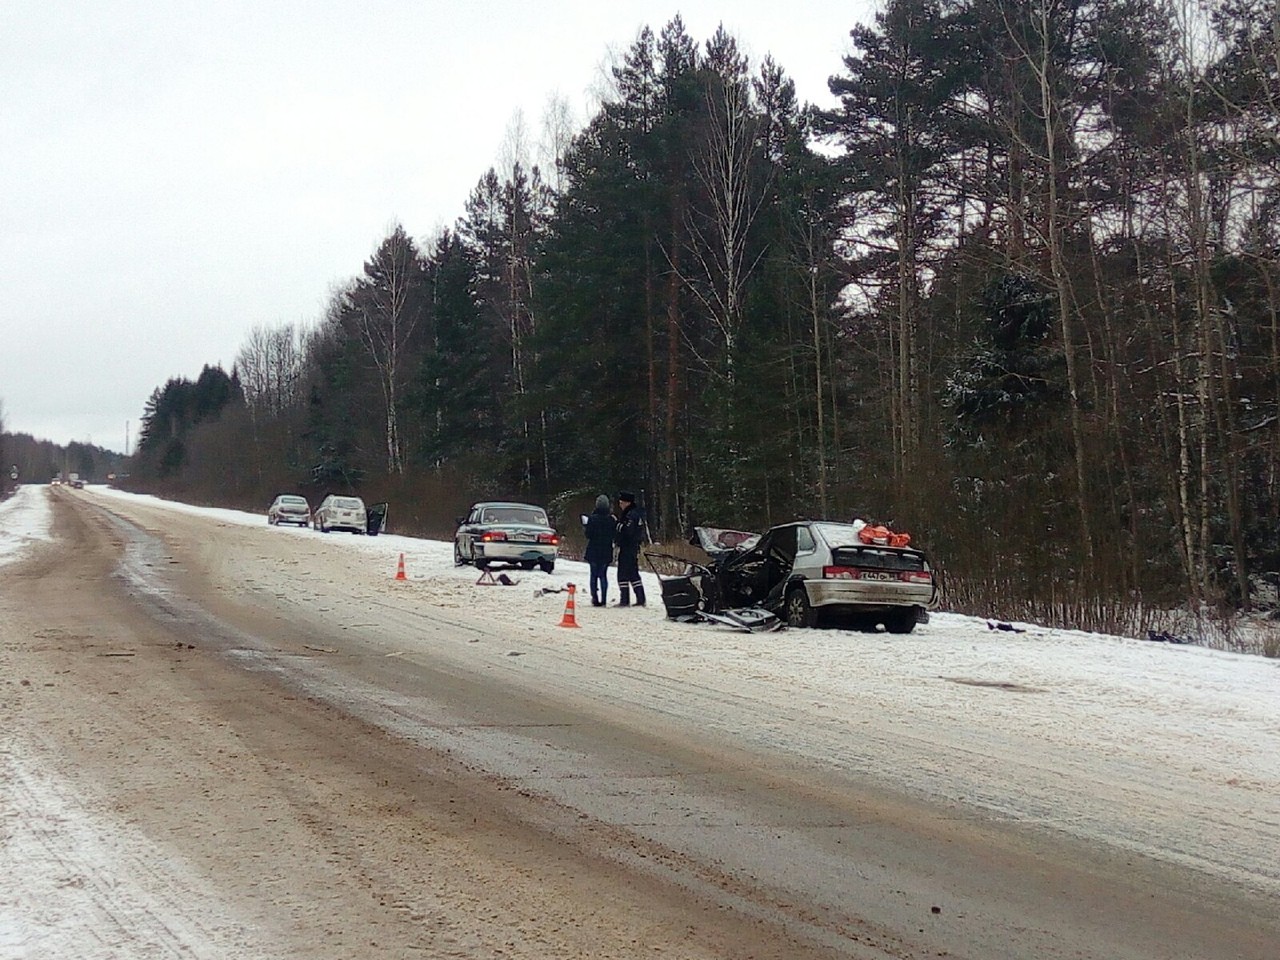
902 620
548 566
799 612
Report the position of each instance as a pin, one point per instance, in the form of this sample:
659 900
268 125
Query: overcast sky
176 172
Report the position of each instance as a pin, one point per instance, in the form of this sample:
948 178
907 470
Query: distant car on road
289 508
340 513
504 532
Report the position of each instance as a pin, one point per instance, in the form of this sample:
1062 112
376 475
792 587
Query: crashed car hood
718 542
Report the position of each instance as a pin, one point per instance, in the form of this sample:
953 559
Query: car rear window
878 558
515 515
838 534
294 501
348 503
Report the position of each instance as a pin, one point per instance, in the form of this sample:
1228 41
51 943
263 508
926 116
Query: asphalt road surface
302 766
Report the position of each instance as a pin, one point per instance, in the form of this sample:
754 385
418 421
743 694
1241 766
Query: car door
808 562
467 535
779 557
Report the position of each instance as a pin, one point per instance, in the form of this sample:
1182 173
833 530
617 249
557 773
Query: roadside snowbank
25 519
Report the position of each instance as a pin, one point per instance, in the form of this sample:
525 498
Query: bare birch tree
558 130
1038 40
383 310
735 192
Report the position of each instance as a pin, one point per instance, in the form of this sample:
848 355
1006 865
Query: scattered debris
995 684
1163 636
1008 627
487 579
747 619
694 597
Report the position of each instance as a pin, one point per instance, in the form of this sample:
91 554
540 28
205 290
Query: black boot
639 588
624 595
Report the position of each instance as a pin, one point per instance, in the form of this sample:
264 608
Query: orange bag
883 536
876 535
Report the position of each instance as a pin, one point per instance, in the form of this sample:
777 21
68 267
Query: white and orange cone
570 618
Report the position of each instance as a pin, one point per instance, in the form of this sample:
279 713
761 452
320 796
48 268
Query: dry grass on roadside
1206 626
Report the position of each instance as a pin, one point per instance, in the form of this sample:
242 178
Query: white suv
340 513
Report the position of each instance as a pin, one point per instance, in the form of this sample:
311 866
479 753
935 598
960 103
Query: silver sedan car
289 508
505 532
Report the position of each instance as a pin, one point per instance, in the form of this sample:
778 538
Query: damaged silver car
814 570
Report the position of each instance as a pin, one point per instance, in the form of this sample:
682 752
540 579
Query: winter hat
602 502
627 496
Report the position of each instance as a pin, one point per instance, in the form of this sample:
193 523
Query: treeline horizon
1017 294
39 461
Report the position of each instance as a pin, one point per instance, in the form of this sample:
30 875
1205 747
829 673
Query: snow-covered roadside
87 884
1169 750
25 519
91 886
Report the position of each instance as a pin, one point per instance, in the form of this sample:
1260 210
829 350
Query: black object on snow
376 519
1008 627
1163 636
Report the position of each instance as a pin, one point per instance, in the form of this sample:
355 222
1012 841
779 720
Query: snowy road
958 791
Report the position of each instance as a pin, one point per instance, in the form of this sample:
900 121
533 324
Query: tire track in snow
79 882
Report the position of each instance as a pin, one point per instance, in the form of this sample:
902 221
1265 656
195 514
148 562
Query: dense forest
1018 293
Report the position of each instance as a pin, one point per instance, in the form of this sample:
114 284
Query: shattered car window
715 540
838 534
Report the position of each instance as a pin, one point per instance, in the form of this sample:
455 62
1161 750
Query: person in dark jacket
600 528
630 535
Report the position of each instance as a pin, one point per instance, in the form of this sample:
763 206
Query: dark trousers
599 582
629 579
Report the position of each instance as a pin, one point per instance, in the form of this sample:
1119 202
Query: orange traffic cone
400 569
569 619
